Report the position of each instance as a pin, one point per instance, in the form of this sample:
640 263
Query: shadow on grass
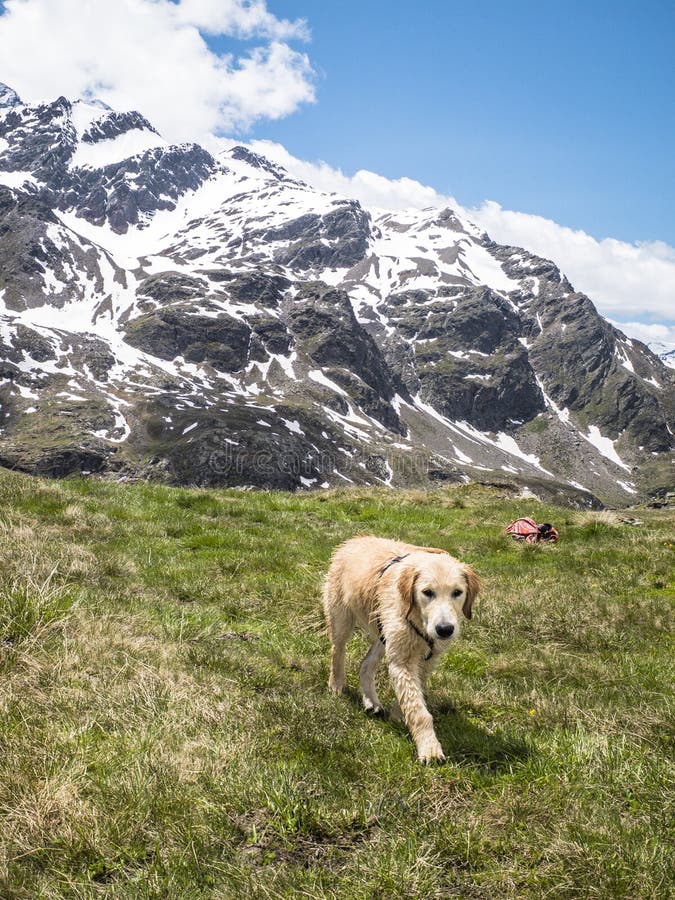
266 678
464 741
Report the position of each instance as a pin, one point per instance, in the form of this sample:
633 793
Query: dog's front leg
410 700
395 713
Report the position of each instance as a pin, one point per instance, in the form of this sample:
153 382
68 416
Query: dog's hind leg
367 671
340 627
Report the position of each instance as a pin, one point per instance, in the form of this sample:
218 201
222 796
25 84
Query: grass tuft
30 607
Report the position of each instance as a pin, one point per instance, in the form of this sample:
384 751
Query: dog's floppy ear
406 587
473 586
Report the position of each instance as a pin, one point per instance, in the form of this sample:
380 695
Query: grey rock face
42 262
258 162
42 141
114 125
259 458
466 359
170 287
122 192
222 341
323 323
335 240
273 334
25 250
588 366
252 287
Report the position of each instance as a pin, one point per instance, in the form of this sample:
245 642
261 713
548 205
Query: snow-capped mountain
168 314
665 352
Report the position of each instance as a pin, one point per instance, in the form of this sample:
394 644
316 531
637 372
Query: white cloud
243 19
374 191
625 281
150 55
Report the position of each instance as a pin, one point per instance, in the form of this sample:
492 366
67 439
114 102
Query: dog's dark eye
428 592
457 592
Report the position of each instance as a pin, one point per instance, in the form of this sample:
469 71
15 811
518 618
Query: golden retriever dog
410 601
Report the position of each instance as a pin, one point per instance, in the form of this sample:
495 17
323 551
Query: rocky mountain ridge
168 314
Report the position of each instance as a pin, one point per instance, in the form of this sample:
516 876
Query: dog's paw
431 752
336 687
373 709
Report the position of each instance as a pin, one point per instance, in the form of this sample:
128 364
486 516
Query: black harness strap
427 640
391 563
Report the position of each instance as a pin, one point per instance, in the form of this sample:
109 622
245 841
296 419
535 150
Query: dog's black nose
444 631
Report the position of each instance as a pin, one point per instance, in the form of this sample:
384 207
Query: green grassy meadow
165 728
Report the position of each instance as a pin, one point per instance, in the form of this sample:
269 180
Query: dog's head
440 588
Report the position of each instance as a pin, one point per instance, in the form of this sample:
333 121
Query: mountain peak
94 101
8 97
257 161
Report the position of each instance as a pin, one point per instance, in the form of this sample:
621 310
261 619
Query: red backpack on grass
527 530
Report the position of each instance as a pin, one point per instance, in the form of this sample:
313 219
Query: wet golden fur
418 601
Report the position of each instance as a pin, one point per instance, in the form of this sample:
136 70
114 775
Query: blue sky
564 109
